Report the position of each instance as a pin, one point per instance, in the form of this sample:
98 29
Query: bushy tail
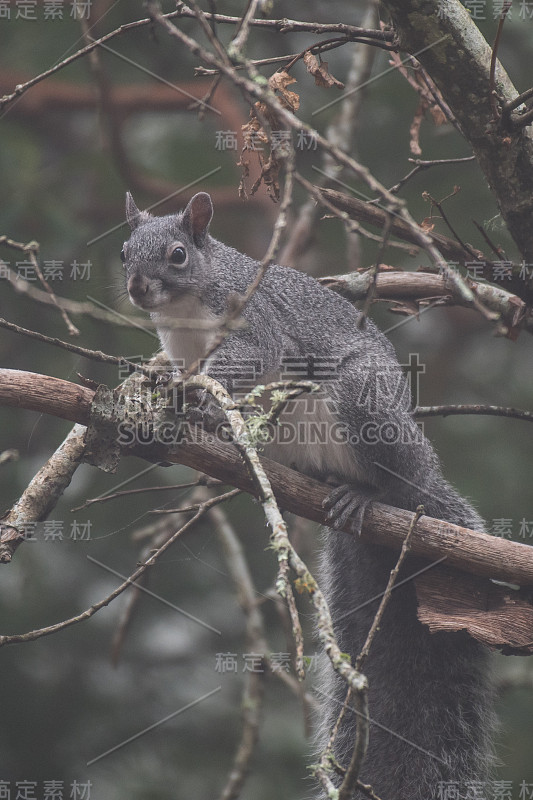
429 695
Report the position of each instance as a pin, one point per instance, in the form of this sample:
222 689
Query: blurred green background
69 149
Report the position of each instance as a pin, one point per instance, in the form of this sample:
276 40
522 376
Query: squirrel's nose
138 286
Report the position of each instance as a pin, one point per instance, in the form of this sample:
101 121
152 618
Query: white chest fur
190 330
311 439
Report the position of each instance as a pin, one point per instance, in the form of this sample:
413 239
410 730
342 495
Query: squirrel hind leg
348 503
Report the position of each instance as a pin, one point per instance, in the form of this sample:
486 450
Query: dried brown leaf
269 176
254 136
252 131
428 98
319 70
245 172
278 82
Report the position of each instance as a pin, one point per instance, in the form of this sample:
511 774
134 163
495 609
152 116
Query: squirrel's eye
122 255
178 256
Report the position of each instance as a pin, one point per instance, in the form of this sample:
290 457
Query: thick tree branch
49 483
424 287
375 215
470 551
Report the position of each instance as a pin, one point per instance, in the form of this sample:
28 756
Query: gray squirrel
429 695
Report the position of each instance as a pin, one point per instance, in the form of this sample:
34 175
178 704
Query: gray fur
430 692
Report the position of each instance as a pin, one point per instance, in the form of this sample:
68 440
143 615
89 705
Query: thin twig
374 271
253 693
438 204
238 43
517 101
279 538
438 162
493 60
190 508
205 101
30 636
296 26
422 165
216 44
286 554
93 355
318 47
23 87
351 225
361 658
204 480
494 411
352 773
341 130
97 310
438 98
32 249
360 707
291 58
487 313
496 249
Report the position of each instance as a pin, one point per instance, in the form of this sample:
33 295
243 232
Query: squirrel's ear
197 216
133 215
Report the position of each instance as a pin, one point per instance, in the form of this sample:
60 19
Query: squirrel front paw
208 416
348 503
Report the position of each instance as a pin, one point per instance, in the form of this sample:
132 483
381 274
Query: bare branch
43 491
342 131
474 552
495 411
296 26
203 480
420 165
93 355
376 215
32 250
361 658
253 694
494 58
23 87
131 581
426 287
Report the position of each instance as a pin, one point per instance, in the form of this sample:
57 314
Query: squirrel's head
166 258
